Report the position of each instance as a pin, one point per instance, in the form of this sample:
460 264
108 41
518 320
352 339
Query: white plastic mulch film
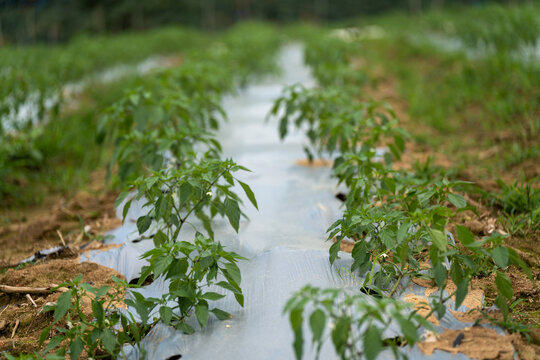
284 241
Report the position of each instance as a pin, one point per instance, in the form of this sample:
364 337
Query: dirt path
75 225
57 221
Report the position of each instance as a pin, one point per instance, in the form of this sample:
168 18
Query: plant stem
433 310
396 285
182 221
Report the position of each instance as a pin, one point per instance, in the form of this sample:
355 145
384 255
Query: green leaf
54 343
439 239
120 198
424 197
160 238
162 207
76 348
407 328
249 193
317 322
400 142
143 223
201 312
207 224
44 334
109 341
185 192
166 314
283 123
500 256
232 210
62 306
187 329
439 273
504 285
465 236
461 292
500 301
340 334
456 272
134 99
99 314
388 238
161 264
458 200
440 309
212 296
403 232
126 209
229 287
296 319
142 310
228 177
334 250
220 314
234 272
239 298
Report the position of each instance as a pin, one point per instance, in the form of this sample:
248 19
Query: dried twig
31 300
29 290
61 237
15 328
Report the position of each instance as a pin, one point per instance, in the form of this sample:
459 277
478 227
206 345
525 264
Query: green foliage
329 57
501 28
335 122
519 197
162 117
250 48
18 156
469 68
163 146
519 203
397 219
191 269
38 72
35 356
149 127
173 195
36 136
354 323
170 119
101 333
163 134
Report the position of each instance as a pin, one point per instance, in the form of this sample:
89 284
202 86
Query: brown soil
72 224
480 343
476 342
314 163
86 216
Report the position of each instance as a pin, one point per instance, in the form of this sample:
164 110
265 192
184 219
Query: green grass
478 108
58 157
59 152
484 109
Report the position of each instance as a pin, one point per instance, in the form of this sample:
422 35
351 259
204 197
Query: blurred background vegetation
27 21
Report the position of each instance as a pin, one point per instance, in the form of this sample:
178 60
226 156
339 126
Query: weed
518 198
